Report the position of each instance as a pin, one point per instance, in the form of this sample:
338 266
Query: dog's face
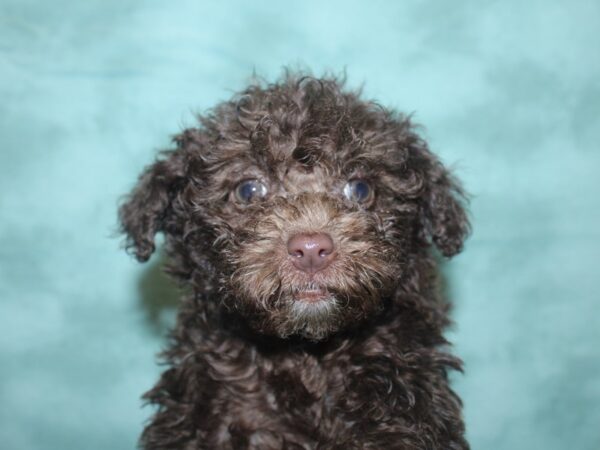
307 206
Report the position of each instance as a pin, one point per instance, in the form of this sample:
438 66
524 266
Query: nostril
324 252
297 253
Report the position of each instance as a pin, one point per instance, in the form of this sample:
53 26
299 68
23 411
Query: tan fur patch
355 282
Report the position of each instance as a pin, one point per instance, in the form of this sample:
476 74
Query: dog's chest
307 386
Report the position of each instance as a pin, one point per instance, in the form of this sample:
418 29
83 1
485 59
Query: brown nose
311 252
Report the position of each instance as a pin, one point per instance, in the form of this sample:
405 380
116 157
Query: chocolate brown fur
250 368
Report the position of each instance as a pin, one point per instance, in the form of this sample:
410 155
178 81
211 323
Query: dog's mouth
311 294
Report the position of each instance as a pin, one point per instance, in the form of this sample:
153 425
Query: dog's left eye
358 191
250 190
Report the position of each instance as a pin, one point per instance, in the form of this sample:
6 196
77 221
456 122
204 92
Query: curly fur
250 366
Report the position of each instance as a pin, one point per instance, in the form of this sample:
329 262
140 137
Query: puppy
302 220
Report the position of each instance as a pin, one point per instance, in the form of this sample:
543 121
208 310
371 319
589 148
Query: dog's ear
443 212
146 210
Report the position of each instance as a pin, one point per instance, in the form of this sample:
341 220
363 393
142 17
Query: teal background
508 91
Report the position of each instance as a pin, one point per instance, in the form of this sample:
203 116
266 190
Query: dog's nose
311 252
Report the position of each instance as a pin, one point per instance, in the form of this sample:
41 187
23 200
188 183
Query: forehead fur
304 120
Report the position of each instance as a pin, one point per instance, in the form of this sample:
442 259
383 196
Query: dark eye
250 190
358 191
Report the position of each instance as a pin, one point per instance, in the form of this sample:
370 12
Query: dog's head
305 205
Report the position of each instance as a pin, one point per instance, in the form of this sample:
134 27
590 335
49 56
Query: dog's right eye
359 191
250 190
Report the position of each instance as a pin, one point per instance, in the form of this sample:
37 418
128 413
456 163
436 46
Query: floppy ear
443 214
147 209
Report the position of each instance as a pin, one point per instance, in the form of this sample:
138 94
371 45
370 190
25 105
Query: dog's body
302 218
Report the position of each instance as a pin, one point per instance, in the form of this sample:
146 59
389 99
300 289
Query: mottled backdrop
508 93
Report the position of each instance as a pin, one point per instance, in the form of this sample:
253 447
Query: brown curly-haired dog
303 217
